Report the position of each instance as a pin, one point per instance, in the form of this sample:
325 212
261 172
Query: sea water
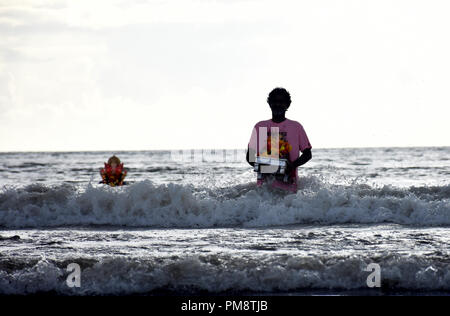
196 223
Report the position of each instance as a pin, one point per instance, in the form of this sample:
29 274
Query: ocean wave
27 165
222 274
145 204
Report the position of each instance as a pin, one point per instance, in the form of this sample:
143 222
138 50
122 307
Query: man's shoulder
262 123
295 123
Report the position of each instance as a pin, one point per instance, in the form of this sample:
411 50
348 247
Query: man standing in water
288 134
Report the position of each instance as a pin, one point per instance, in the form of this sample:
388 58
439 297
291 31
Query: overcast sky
111 75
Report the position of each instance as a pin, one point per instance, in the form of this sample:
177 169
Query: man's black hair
277 94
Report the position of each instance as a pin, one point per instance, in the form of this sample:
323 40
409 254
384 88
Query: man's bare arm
304 158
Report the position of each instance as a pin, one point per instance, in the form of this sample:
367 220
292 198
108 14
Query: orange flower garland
283 148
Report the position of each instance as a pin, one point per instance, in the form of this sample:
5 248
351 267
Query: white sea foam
145 204
215 274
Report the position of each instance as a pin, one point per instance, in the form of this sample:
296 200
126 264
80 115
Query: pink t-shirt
291 139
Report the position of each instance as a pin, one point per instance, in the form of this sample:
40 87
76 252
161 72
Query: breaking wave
145 204
222 274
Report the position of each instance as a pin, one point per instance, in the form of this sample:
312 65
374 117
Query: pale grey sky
110 75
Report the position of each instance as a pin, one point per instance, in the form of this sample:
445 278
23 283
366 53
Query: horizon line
183 149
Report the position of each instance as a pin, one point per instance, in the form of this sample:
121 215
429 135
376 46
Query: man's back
291 140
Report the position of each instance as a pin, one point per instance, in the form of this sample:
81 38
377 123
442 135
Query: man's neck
278 119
